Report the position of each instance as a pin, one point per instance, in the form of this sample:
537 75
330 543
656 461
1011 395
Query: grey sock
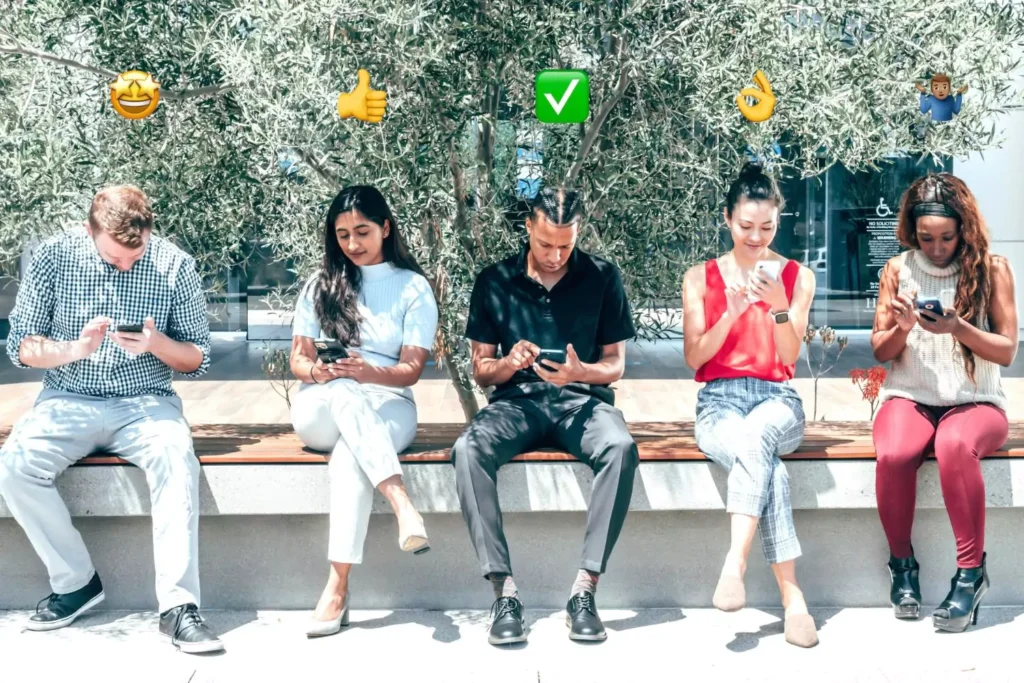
585 581
504 586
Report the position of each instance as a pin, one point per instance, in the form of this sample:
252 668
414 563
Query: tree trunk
467 398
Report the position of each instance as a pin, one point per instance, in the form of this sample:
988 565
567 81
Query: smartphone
553 355
769 269
933 306
137 329
329 350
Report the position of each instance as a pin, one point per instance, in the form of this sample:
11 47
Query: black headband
934 209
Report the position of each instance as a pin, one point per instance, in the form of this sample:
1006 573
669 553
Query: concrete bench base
663 559
264 537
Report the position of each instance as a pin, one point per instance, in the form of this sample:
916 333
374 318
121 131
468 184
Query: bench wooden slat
657 442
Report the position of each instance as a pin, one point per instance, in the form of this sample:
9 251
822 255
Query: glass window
842 225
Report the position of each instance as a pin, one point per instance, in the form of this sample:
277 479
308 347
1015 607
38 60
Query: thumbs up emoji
763 97
362 103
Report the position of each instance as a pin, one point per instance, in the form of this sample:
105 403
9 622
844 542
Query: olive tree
252 87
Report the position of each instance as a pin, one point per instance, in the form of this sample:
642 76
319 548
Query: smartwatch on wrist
781 317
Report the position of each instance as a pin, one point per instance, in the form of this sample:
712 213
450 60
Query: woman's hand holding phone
941 322
353 367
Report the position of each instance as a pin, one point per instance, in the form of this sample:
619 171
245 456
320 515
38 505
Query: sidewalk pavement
856 646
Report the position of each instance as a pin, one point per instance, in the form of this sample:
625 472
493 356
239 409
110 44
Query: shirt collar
378 271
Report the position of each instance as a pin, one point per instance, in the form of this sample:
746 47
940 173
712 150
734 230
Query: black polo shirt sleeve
616 323
480 325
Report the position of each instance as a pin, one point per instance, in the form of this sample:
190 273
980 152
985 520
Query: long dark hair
753 184
336 295
974 287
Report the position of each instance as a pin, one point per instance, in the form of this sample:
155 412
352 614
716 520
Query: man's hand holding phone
136 343
557 373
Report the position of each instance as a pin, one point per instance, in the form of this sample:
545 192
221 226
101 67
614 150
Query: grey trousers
591 430
148 431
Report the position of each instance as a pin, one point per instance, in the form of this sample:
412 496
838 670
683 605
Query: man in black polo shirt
549 296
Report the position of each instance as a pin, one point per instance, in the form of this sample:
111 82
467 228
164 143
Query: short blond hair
123 212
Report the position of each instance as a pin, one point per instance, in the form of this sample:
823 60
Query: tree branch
310 161
46 56
595 128
166 94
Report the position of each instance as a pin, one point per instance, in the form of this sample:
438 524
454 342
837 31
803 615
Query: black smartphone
933 306
553 355
328 350
137 329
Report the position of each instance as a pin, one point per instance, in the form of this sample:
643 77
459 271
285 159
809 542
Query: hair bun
751 169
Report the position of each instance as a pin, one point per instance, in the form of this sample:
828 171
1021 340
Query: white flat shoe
412 537
317 628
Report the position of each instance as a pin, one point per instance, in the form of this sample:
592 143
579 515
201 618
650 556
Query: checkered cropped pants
744 424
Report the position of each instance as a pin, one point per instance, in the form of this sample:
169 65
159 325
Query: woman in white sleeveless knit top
946 319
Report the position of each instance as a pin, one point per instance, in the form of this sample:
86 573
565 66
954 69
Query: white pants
364 427
147 431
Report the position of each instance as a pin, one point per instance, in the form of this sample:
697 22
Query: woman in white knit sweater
372 296
946 319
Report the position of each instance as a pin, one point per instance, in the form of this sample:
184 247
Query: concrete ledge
121 491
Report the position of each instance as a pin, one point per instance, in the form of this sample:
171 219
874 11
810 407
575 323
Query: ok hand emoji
763 97
362 103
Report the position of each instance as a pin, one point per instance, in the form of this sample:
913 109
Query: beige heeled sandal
801 631
317 628
412 536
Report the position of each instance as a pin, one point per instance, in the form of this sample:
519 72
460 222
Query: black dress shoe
63 608
187 630
960 608
582 619
507 624
904 587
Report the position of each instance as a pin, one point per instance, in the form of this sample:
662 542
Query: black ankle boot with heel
960 608
904 587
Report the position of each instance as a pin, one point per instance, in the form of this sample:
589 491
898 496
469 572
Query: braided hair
561 206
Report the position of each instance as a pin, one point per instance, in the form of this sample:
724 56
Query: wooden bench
233 444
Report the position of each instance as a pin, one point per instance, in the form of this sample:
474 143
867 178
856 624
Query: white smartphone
769 269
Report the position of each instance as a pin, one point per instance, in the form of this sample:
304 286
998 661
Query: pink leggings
904 432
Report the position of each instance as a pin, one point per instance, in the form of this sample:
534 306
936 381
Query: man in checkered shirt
110 390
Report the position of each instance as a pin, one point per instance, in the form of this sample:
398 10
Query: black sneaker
582 619
187 630
63 608
507 624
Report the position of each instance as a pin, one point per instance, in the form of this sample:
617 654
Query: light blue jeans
147 431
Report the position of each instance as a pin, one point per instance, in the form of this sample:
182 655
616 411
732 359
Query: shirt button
547 300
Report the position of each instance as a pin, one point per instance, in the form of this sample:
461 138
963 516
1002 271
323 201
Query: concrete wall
264 536
663 559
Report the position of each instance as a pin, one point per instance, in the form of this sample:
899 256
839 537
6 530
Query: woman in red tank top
744 317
